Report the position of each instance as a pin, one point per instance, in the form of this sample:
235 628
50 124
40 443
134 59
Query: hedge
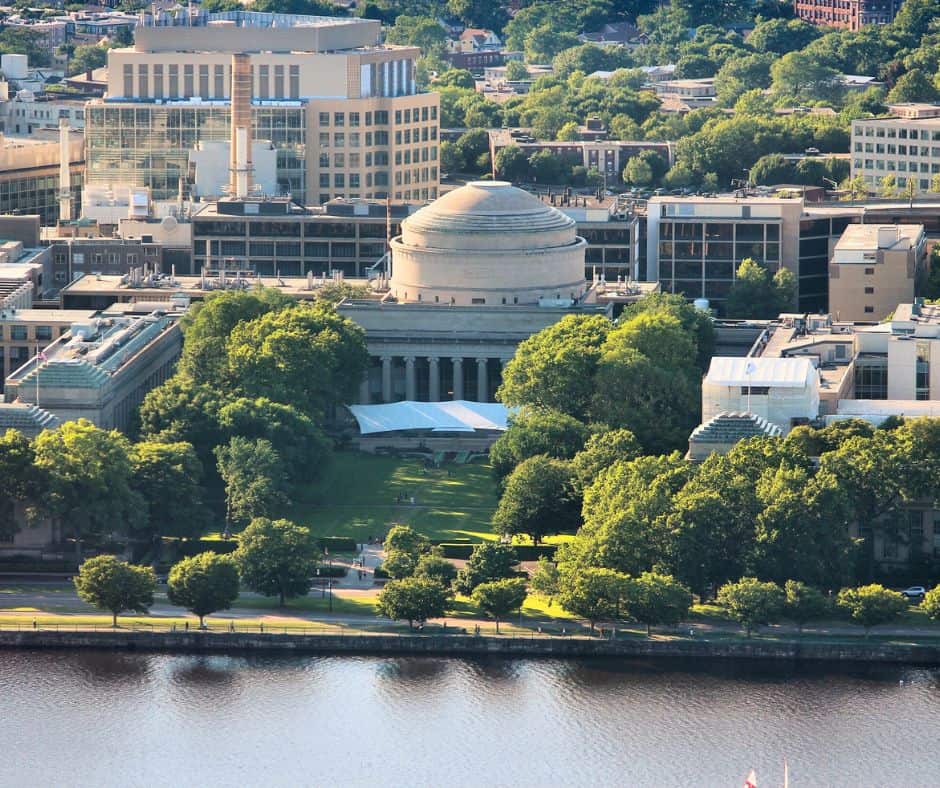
526 552
325 570
188 547
28 565
338 544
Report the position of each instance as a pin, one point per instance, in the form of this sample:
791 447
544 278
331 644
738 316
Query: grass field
358 496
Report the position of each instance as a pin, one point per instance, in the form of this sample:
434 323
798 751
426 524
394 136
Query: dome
487 243
495 213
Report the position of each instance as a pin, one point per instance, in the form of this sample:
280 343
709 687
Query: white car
914 592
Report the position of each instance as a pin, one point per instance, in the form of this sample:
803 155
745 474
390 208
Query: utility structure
240 153
65 174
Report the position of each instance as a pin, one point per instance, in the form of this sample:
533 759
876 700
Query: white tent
454 416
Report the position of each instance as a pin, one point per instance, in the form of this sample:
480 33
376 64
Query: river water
88 718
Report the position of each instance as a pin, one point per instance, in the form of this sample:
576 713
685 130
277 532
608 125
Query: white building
783 391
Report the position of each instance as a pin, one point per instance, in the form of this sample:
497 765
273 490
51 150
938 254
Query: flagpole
38 364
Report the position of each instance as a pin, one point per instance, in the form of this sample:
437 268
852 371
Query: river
86 718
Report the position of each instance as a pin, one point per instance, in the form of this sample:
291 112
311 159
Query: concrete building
342 111
273 237
100 369
874 268
846 14
28 114
906 147
24 332
694 245
473 274
29 175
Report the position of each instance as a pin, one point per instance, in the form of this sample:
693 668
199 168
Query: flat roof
449 416
750 371
865 237
46 315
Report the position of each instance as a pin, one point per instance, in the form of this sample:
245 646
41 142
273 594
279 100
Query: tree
277 558
544 42
751 602
412 599
555 368
21 481
89 474
601 451
802 76
167 476
471 145
803 603
871 605
306 355
203 584
914 86
398 564
478 13
500 598
544 166
254 476
183 411
114 585
534 431
539 499
594 594
889 187
451 158
301 444
419 31
637 172
511 163
436 567
545 580
782 35
931 604
456 78
755 294
87 58
488 561
516 70
568 132
770 170
405 539
653 599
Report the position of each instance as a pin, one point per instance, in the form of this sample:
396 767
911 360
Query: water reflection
212 720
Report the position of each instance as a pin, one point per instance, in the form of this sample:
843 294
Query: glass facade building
149 145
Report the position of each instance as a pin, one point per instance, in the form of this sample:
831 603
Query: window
44 333
869 290
279 82
18 333
219 79
353 118
294 82
188 89
339 139
869 310
339 180
128 80
143 86
869 272
263 77
174 87
204 81
157 80
324 118
339 118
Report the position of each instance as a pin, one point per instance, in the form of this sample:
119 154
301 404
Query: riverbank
468 645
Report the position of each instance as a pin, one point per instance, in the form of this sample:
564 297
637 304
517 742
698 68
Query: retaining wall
461 645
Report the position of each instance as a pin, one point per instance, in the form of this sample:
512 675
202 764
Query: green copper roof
67 373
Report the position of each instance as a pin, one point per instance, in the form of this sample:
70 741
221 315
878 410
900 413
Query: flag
750 368
751 781
42 355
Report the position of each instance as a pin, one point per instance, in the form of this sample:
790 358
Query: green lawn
358 497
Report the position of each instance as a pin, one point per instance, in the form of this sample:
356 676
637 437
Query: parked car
914 593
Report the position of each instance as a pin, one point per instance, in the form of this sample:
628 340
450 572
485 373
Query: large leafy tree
752 602
21 481
301 444
555 368
489 561
254 477
89 475
181 410
871 605
413 599
654 598
305 355
116 586
535 431
277 558
594 594
757 294
203 584
539 499
500 598
167 476
601 451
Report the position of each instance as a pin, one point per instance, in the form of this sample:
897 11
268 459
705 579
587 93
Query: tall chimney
65 173
240 152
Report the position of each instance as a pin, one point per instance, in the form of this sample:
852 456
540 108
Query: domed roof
492 207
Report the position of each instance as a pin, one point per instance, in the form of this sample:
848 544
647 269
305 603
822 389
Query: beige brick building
341 110
873 269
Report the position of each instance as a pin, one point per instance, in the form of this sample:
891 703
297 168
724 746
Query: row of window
21 333
380 159
379 117
902 134
200 81
355 139
892 166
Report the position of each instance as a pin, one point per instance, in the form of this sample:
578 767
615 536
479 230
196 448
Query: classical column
458 377
482 387
411 383
386 378
434 379
364 389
